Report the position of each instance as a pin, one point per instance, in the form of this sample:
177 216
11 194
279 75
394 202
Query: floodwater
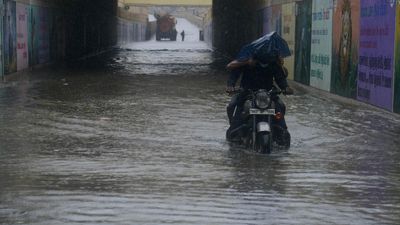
137 136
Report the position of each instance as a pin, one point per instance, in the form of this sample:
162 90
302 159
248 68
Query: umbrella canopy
265 48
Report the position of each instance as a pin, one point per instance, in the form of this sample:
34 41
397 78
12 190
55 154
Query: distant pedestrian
183 35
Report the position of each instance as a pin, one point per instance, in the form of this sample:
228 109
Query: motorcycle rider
255 74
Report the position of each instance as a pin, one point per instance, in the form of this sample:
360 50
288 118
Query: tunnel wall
38 32
208 33
347 47
208 28
132 24
129 31
234 24
88 27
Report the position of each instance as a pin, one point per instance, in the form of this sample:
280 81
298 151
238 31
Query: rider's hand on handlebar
288 91
229 89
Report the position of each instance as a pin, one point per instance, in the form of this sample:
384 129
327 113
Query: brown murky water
137 137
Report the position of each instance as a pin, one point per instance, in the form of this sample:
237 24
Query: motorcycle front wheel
265 141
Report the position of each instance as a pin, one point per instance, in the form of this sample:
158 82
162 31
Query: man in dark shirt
255 76
183 35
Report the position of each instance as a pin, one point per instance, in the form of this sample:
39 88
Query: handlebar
235 91
273 91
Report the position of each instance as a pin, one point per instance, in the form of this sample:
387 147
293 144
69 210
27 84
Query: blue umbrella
265 48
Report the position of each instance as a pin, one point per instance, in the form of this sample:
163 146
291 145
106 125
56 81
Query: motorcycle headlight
262 100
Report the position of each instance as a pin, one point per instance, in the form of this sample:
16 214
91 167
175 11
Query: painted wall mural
375 76
346 35
10 38
303 42
22 36
289 34
397 57
321 44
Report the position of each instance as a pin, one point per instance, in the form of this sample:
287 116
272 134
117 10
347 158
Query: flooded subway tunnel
136 135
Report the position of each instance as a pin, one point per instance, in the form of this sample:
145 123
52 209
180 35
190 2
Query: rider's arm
280 77
233 77
236 64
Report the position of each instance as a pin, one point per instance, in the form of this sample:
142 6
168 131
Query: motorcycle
262 123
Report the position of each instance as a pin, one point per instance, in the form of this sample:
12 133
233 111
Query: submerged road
137 136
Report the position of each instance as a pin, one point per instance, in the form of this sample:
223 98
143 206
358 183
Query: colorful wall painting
346 35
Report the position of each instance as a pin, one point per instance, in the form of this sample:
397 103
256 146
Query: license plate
262 112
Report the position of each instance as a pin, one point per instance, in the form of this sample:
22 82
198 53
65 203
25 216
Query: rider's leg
279 103
237 117
230 109
281 107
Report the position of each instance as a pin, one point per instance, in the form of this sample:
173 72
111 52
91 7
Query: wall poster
321 44
376 64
